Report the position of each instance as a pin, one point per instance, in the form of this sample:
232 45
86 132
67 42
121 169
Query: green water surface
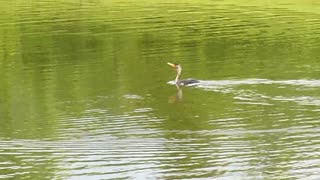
84 90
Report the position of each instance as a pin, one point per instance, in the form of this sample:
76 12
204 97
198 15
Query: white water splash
227 83
253 97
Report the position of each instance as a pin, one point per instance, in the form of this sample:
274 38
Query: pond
86 92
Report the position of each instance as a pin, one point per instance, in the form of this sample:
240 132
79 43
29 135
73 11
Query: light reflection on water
84 93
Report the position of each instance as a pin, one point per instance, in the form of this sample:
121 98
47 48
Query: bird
182 82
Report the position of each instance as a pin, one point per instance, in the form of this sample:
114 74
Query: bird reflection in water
178 97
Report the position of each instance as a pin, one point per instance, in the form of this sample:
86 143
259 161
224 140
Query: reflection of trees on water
52 70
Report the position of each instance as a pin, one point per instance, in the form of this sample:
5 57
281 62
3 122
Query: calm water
84 90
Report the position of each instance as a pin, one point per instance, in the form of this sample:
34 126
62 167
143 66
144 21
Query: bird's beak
170 64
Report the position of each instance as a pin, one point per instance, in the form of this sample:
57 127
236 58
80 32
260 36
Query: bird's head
175 65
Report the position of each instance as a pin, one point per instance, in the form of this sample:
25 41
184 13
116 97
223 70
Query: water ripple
74 105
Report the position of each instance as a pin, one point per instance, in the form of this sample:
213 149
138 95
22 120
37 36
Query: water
85 90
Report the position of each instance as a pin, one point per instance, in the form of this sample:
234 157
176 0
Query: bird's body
183 82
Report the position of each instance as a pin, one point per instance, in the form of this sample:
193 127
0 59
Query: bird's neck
178 76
